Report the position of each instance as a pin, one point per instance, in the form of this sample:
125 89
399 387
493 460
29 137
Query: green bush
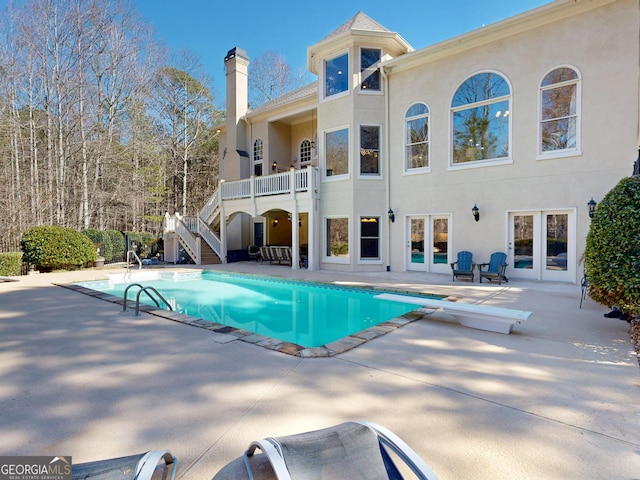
50 247
101 240
612 254
10 263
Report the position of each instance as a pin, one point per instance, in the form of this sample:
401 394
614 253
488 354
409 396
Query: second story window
336 75
337 152
417 137
369 150
305 152
258 157
370 69
559 106
480 112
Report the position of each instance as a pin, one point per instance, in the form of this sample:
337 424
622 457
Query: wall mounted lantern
274 166
275 222
592 207
392 216
476 212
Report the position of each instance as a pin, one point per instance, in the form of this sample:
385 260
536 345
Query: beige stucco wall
603 46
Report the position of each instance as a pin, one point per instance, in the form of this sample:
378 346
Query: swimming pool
302 313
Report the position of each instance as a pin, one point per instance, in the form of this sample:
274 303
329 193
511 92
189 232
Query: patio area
557 398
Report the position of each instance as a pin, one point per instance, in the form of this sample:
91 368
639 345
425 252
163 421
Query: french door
542 245
428 243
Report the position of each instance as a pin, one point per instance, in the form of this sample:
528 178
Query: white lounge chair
133 467
350 450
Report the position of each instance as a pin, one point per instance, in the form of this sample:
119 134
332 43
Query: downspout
387 161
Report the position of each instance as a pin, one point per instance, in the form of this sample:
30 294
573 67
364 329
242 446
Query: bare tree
186 111
270 77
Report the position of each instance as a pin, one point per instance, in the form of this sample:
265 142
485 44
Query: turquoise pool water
307 314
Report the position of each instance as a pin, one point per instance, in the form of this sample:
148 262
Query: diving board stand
481 317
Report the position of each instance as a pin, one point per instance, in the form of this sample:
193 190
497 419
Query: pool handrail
144 289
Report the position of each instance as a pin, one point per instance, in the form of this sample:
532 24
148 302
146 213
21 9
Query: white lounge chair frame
145 467
272 449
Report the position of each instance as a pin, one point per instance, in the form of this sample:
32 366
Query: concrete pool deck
557 398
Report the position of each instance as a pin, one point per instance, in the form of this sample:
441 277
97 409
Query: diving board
481 317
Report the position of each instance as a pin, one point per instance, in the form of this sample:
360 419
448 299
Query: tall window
559 96
370 69
369 150
305 152
336 75
258 157
337 152
370 238
337 240
417 137
480 117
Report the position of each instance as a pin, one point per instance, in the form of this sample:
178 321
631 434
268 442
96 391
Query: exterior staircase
195 234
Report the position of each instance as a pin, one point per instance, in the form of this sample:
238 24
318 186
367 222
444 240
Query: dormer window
336 75
370 69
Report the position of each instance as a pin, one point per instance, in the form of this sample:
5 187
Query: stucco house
396 159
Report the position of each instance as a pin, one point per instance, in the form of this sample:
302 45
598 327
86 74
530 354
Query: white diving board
481 317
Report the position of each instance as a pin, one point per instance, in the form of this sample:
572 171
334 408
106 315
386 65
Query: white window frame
567 152
370 175
370 260
372 69
342 176
489 161
331 259
310 152
259 161
417 170
347 91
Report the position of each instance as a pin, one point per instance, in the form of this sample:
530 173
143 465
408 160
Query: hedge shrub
10 264
51 247
612 254
101 240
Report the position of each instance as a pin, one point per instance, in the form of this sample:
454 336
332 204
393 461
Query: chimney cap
236 52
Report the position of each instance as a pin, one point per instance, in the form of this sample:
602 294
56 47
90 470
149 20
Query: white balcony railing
276 184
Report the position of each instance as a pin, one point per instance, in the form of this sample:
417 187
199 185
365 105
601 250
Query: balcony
285 183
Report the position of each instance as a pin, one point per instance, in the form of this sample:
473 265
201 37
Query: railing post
292 183
223 235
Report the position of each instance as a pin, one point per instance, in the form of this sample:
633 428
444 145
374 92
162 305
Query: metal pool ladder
145 290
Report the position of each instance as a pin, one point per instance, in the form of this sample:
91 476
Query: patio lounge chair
349 450
464 266
133 467
266 255
254 252
494 270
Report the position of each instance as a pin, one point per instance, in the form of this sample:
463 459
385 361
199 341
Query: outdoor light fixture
392 216
592 207
274 166
476 212
275 222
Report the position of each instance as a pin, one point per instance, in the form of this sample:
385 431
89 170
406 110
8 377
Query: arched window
480 112
258 157
305 152
416 137
559 111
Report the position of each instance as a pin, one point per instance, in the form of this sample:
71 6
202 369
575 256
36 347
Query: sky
209 28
